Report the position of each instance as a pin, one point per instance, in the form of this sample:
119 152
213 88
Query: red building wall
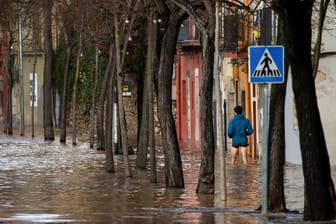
188 84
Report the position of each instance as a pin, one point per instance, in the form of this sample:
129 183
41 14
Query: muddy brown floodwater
49 182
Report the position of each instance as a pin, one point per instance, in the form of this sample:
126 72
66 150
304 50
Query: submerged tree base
206 185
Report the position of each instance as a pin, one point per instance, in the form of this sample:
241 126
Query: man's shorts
238 145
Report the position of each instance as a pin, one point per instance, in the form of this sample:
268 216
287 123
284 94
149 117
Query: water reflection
50 182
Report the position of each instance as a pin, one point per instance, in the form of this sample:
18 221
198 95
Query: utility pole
219 121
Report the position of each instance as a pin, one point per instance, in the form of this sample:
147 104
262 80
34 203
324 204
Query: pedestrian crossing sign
266 64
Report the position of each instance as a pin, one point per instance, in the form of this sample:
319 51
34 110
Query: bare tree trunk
47 96
150 63
151 139
33 88
9 77
276 140
108 127
33 99
93 100
206 178
320 198
63 111
276 145
323 10
142 145
74 93
9 105
142 148
9 110
207 25
173 162
121 111
21 77
101 103
122 121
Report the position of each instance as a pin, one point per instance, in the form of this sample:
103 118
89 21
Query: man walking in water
238 129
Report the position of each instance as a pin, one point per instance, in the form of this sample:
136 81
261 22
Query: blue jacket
239 128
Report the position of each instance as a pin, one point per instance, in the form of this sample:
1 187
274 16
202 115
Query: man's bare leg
244 154
234 152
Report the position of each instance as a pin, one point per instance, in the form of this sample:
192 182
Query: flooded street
48 182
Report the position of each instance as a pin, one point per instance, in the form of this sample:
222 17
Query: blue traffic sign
266 64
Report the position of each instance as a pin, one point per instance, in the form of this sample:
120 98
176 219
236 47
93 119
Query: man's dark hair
238 109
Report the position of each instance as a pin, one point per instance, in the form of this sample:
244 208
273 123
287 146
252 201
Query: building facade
188 77
27 92
325 84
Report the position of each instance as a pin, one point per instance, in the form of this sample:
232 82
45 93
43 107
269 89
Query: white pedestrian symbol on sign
266 67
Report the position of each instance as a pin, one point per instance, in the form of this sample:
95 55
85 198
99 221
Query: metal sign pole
265 151
266 65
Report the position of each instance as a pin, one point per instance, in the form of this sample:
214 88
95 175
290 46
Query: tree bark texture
101 104
74 93
108 128
276 140
152 41
93 100
320 199
207 26
63 115
142 145
9 77
123 128
206 178
317 49
173 162
276 145
147 100
9 106
34 84
121 111
47 93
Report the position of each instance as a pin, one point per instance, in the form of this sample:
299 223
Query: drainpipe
248 112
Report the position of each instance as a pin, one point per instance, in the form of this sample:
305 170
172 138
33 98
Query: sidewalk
243 197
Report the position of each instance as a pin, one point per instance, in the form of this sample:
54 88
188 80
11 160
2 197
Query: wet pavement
49 182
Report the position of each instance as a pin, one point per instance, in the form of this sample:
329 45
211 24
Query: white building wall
325 84
326 94
228 87
293 153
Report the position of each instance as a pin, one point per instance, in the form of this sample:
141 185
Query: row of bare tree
111 23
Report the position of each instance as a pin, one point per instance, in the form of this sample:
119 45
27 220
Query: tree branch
189 9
